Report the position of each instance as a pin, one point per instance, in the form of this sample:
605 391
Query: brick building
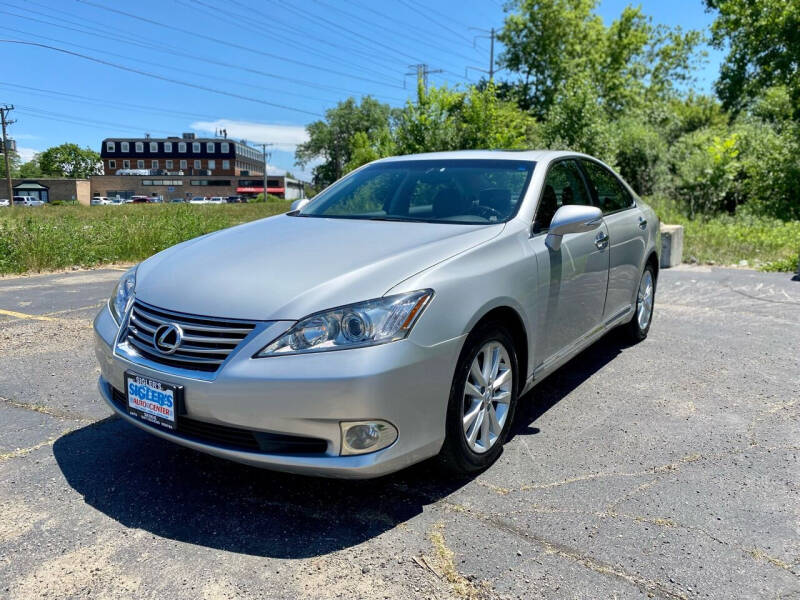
186 155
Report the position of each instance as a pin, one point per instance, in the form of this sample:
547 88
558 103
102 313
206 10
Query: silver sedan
399 315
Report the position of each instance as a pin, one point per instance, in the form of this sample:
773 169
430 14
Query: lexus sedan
399 315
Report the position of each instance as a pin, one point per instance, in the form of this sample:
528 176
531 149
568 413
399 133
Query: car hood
284 267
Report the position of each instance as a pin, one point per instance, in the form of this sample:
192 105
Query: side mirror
298 204
572 218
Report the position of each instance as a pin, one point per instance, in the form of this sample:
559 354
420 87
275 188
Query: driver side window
563 185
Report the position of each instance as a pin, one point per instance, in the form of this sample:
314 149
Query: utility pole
491 57
4 110
492 35
422 71
266 166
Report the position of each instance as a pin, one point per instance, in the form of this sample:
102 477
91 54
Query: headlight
354 326
123 294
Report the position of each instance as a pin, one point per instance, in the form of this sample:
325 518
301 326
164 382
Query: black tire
632 331
456 456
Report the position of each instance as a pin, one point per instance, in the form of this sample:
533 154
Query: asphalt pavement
668 469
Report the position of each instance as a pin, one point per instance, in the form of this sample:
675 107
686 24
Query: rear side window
606 188
563 185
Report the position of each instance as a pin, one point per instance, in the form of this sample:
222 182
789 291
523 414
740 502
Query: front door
572 279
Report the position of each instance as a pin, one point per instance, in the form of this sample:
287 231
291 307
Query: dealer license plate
153 401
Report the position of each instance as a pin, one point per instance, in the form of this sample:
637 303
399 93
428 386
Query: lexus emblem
168 338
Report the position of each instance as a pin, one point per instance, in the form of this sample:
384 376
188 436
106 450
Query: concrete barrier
671 245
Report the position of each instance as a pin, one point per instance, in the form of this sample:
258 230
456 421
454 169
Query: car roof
530 155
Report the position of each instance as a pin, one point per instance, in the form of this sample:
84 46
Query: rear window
610 194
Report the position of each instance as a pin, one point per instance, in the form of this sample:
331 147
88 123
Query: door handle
642 223
601 240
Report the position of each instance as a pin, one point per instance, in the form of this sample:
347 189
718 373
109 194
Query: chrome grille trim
206 344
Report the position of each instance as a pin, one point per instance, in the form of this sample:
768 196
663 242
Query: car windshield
464 191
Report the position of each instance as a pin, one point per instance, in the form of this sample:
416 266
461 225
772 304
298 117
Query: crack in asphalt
741 292
45 410
25 451
578 557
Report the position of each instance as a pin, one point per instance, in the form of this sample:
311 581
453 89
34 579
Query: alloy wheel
644 302
487 397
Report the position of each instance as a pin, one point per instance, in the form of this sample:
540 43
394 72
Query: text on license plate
151 400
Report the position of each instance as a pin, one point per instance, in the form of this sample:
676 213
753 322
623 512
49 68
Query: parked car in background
27 201
4 202
399 315
116 201
140 200
177 200
199 200
99 201
235 199
217 200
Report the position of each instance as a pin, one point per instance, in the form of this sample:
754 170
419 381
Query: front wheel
639 325
483 398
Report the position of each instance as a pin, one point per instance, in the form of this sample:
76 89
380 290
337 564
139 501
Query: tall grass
57 237
766 243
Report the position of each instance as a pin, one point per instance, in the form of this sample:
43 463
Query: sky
262 69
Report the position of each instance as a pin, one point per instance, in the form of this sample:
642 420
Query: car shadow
147 483
563 380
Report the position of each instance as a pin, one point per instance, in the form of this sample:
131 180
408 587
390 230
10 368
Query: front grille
234 437
206 343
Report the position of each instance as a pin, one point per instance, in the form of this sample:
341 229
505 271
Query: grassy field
57 237
767 244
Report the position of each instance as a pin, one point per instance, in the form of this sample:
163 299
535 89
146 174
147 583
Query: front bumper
307 395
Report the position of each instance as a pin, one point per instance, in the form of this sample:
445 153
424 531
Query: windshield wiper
395 218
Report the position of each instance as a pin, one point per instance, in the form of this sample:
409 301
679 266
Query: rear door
572 280
627 231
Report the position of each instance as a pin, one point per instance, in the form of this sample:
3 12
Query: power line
418 26
370 55
310 16
161 77
439 23
172 50
406 34
248 84
213 12
68 118
340 27
117 105
229 43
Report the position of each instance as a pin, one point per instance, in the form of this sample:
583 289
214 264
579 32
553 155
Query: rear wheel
639 325
483 398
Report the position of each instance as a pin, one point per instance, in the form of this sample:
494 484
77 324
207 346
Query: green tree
448 119
30 169
331 140
364 149
70 160
13 163
763 48
546 43
556 47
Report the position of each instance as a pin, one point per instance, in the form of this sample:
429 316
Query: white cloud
284 137
26 154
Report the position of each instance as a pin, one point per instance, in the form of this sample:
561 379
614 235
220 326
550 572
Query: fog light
361 437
